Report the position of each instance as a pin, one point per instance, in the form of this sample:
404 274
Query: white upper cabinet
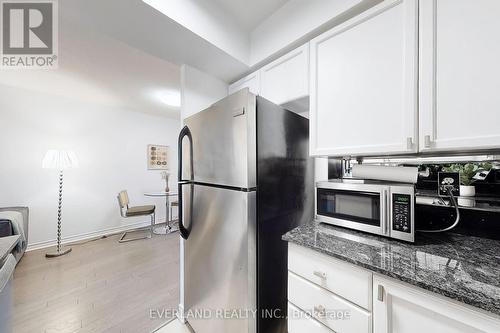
287 78
363 81
459 75
400 308
251 81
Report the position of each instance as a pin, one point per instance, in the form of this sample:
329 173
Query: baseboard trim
90 235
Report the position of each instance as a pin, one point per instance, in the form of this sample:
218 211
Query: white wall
110 143
199 90
291 23
208 21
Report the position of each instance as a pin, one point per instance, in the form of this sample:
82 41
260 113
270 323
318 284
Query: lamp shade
59 159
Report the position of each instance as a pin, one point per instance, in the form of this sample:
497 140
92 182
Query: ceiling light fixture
168 97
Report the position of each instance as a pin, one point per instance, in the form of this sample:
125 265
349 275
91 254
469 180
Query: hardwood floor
175 326
101 286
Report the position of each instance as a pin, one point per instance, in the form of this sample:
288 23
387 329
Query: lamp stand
60 251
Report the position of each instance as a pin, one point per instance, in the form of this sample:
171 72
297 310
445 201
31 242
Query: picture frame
157 157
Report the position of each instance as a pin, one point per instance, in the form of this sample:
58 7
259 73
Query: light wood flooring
101 286
175 326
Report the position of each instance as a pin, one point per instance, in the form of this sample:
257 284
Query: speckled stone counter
461 267
6 245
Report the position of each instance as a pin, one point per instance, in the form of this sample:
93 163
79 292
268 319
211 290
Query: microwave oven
381 208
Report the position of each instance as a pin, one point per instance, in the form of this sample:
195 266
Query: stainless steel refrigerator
245 179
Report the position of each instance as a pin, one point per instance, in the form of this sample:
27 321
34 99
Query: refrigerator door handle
185 132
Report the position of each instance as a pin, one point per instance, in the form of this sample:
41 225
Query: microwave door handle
384 211
185 132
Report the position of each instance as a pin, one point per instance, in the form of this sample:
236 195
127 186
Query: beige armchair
126 212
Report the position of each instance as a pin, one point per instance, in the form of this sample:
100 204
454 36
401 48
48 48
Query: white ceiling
140 26
243 34
124 53
100 70
249 14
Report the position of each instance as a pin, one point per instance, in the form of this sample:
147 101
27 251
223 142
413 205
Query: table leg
167 214
165 230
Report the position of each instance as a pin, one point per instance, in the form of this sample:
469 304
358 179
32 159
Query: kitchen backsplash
489 187
481 219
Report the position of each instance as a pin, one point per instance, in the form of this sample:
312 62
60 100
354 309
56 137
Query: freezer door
220 260
224 144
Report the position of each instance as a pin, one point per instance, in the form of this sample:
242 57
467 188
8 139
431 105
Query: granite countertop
464 268
6 246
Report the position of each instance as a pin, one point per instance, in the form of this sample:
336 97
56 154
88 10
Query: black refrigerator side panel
285 199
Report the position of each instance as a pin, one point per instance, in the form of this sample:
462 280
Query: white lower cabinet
333 311
346 280
335 294
399 308
319 297
300 322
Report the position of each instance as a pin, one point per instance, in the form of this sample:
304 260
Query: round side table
167 229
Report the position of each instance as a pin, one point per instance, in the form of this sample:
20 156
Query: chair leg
151 228
123 240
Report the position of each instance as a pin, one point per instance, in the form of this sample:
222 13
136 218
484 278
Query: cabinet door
346 280
300 322
251 82
459 75
287 78
398 308
324 306
364 83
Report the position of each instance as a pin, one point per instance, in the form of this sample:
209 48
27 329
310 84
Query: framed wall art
157 157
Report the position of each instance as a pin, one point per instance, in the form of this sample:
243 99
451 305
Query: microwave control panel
401 212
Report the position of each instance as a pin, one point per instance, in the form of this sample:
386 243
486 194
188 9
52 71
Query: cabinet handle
320 310
380 293
409 143
321 275
427 141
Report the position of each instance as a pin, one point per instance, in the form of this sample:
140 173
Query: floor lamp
59 160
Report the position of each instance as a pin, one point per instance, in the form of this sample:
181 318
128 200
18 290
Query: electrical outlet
446 179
